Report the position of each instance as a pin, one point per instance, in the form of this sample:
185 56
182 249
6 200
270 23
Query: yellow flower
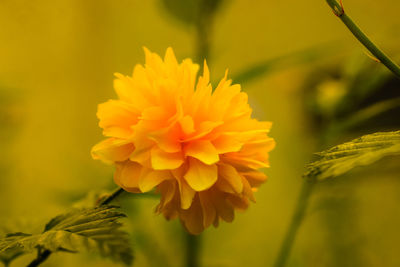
199 148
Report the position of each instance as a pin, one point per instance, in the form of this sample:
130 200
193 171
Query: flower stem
111 197
40 258
192 250
204 26
338 10
43 255
297 218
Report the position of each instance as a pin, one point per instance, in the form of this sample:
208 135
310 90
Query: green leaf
361 116
359 152
188 11
91 199
268 66
185 11
95 229
10 230
11 254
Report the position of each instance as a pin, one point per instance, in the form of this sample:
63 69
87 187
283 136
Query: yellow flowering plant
198 147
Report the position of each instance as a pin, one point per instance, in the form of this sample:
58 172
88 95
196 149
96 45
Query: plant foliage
92 229
188 11
359 152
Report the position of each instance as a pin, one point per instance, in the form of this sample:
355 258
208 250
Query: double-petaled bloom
199 148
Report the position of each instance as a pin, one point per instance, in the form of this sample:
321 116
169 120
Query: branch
338 10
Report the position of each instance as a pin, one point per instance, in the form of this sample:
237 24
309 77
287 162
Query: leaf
281 62
94 229
91 199
359 152
14 227
11 254
188 11
185 11
362 116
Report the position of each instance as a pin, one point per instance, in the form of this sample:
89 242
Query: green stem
204 23
202 41
111 197
338 10
204 27
297 218
43 255
192 250
40 258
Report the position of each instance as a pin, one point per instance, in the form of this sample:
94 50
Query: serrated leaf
94 229
359 152
10 254
10 230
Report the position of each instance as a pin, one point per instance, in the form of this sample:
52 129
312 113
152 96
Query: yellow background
57 60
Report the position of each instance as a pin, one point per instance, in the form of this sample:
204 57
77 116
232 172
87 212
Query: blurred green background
57 60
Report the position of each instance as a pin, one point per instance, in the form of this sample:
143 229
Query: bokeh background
57 60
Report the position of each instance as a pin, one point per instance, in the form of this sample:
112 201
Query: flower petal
247 190
209 212
153 61
187 125
199 148
116 118
230 174
154 115
204 128
222 98
186 193
240 203
255 178
167 191
169 58
202 150
167 139
227 143
142 154
112 150
223 186
242 162
149 179
201 176
224 208
161 160
192 218
127 175
133 90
